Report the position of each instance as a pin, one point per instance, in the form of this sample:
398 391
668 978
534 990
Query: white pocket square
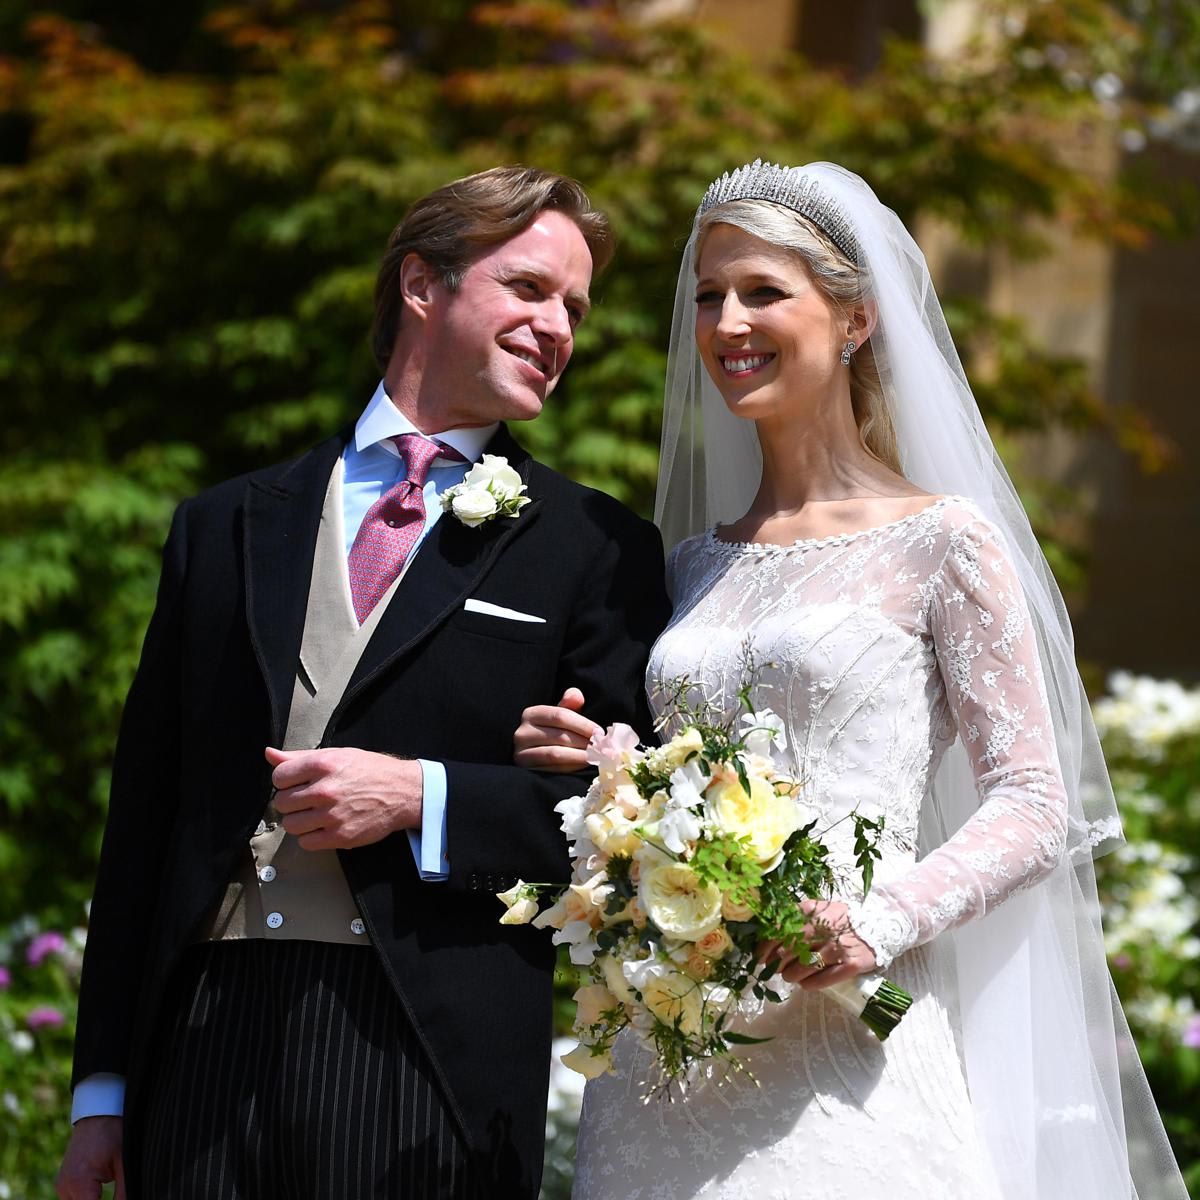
495 610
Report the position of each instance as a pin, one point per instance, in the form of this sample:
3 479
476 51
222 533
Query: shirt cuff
429 842
99 1095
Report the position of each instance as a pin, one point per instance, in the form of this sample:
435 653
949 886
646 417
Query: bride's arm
987 651
554 737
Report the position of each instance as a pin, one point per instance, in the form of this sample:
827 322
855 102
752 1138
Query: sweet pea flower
44 1017
572 812
1191 1033
611 749
762 730
5 978
678 828
579 936
44 945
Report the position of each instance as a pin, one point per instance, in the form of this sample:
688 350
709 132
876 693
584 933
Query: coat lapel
282 516
448 567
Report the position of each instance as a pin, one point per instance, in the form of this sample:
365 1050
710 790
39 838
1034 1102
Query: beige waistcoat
280 891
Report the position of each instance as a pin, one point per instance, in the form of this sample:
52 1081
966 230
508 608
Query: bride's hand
829 933
554 737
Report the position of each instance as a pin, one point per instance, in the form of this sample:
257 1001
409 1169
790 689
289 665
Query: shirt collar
382 420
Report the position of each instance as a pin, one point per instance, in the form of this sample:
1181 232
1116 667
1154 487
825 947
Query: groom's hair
458 223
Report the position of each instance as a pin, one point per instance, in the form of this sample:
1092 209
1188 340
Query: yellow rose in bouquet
762 814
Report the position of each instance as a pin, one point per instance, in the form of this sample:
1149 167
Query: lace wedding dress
883 646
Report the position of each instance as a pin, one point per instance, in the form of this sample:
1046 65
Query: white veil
1061 1101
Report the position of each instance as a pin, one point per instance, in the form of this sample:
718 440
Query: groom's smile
501 341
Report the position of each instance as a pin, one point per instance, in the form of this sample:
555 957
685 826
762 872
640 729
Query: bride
835 503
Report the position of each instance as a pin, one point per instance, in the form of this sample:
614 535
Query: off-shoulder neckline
833 539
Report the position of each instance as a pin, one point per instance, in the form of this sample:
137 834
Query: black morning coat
436 681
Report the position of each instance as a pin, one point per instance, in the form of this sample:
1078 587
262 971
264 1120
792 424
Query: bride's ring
818 962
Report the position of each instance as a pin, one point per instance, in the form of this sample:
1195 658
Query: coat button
274 920
357 926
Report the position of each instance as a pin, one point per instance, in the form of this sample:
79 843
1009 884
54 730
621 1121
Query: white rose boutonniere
491 489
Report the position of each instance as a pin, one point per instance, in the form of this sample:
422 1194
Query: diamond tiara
792 189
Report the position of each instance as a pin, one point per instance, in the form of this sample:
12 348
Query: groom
296 983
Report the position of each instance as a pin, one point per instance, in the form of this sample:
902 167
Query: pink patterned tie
392 525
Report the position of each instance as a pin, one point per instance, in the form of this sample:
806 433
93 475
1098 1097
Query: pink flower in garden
1191 1033
43 946
44 1018
5 978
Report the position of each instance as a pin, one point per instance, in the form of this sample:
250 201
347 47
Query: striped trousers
288 1071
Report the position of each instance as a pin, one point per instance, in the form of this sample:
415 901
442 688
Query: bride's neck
818 457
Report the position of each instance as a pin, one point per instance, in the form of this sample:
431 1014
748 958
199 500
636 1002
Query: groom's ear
419 286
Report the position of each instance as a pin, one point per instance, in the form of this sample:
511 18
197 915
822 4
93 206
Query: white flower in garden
21 1041
1149 713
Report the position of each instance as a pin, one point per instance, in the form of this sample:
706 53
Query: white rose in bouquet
677 901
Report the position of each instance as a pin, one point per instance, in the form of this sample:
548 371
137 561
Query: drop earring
847 350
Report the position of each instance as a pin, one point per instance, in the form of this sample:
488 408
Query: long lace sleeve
987 655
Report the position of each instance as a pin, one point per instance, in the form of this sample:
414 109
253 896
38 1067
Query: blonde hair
843 283
456 224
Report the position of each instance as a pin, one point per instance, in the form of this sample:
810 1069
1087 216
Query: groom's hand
554 737
93 1158
336 798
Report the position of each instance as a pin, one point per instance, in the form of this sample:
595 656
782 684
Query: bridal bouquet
686 857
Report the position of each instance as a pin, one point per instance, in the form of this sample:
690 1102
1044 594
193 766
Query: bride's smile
767 335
